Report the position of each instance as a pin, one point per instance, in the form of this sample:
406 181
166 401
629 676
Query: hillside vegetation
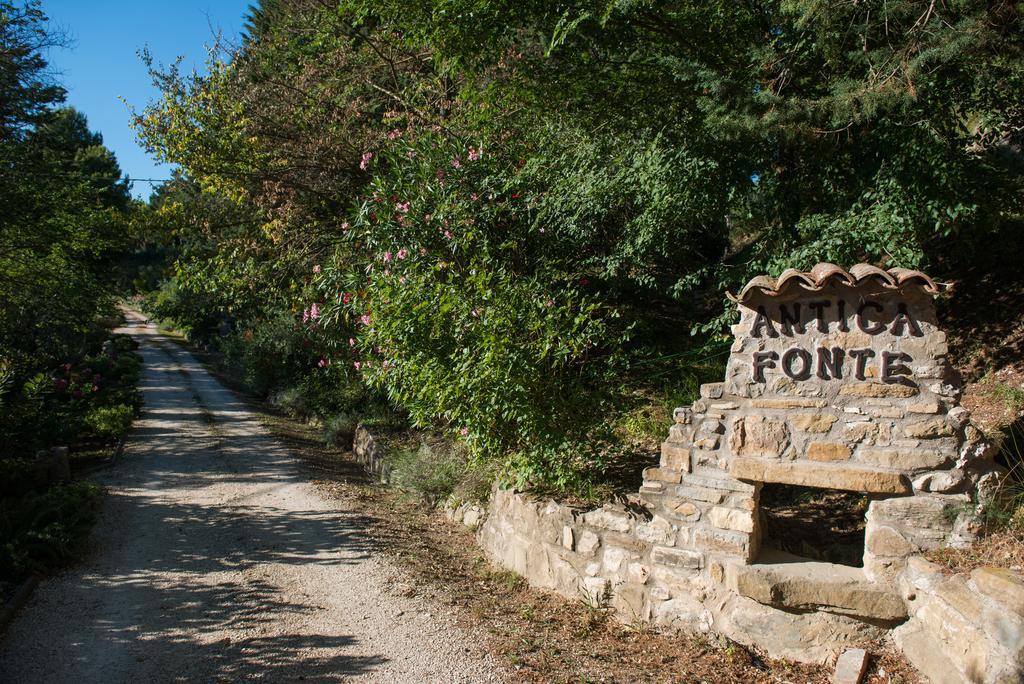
514 222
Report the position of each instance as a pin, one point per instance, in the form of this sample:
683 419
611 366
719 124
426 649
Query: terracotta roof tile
824 274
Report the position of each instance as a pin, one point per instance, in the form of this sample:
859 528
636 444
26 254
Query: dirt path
215 560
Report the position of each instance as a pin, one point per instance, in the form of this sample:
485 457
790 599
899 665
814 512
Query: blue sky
101 65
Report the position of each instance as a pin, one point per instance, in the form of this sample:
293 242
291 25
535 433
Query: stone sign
837 380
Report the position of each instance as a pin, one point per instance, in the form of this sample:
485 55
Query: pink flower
314 311
464 431
394 134
402 207
357 364
411 154
423 251
401 279
473 196
475 313
365 319
474 154
323 362
448 235
344 226
385 363
367 156
305 315
387 257
316 268
346 298
351 342
428 217
549 303
402 253
456 162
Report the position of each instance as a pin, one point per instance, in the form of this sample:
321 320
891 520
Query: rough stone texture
825 476
850 666
789 582
966 629
368 452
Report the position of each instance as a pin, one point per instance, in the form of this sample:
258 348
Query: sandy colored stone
588 543
1002 585
568 538
686 509
928 429
903 459
657 531
675 457
827 451
813 422
860 431
885 412
608 519
759 436
877 389
723 541
639 573
921 512
798 585
662 475
850 666
682 558
824 475
698 493
925 405
731 519
924 652
788 403
885 541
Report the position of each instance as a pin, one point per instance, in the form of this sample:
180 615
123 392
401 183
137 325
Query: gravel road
216 560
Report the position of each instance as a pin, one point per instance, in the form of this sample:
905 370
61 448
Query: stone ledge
819 474
785 581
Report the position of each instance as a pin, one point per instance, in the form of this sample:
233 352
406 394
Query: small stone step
790 582
850 666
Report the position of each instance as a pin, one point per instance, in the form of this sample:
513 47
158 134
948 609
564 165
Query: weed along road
215 559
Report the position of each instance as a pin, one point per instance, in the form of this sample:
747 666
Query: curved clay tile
765 283
791 274
864 271
904 275
823 273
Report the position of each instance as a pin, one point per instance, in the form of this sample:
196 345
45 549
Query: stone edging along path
837 380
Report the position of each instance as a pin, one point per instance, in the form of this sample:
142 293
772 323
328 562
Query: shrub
467 317
430 472
45 529
110 421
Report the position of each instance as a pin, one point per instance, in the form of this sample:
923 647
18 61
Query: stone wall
836 380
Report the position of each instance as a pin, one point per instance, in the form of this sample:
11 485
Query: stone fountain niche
836 380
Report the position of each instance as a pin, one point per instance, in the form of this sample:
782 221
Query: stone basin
789 582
